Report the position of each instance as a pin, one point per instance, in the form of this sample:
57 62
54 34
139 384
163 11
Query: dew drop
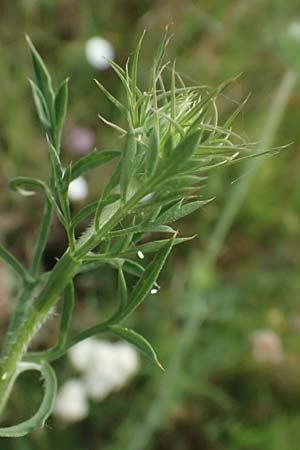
141 254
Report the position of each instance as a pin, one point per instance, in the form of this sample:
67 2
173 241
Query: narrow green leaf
111 98
17 184
159 55
128 160
178 211
173 93
169 146
159 229
84 213
122 76
128 265
160 200
56 165
133 268
134 71
182 152
61 103
147 281
121 244
41 241
160 52
181 181
14 264
139 293
46 407
42 75
92 160
202 106
152 153
66 315
112 125
108 188
41 106
142 228
122 289
154 246
235 113
138 341
66 179
90 209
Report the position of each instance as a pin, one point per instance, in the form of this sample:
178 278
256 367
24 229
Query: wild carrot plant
171 140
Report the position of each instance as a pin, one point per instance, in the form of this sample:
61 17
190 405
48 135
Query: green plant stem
22 302
18 315
161 403
62 274
42 238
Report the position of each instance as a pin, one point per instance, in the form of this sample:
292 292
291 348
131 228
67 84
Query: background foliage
214 395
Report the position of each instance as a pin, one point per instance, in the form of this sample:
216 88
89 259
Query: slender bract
170 138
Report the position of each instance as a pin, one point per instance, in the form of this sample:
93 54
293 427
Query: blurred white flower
293 31
71 404
105 366
80 355
98 51
126 359
79 140
267 347
78 189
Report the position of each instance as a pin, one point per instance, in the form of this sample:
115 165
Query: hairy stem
62 274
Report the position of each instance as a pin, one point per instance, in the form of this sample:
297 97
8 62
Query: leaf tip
160 365
29 41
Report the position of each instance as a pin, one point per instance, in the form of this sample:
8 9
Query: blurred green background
226 322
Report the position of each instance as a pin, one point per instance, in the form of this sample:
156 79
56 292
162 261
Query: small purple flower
80 140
